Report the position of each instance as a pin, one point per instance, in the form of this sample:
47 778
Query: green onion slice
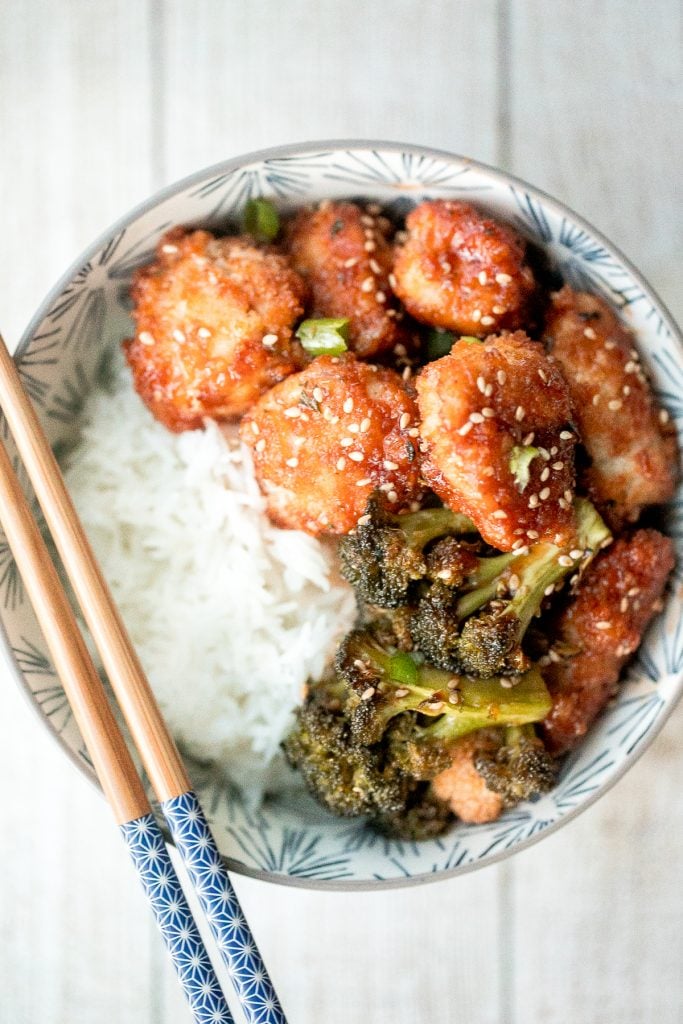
324 337
403 668
437 344
521 458
261 220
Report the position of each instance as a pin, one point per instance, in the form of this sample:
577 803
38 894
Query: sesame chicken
344 255
462 271
326 438
481 406
462 787
600 629
214 320
631 444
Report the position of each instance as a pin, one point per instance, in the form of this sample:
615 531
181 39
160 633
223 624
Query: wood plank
594 91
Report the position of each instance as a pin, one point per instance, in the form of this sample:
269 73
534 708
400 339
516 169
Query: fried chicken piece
485 407
344 255
600 629
463 788
628 437
214 319
462 271
324 439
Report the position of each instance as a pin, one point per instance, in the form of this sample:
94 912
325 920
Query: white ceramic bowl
87 312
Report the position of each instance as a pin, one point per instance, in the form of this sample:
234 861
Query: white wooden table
100 104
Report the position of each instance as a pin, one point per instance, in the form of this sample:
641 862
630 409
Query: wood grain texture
101 103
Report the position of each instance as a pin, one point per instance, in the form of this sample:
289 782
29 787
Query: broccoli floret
520 768
423 817
385 555
345 777
382 684
509 590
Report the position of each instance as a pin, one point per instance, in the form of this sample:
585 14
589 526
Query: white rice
230 615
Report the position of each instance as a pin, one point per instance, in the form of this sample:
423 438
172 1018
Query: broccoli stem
420 528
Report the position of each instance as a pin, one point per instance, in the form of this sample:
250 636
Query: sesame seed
400 350
348 405
635 354
565 561
498 310
550 589
407 372
168 248
513 582
368 694
145 338
365 425
623 604
544 494
615 404
544 377
566 435
380 297
346 442
519 413
367 221
390 465
392 496
404 420
664 416
562 503
488 390
489 471
553 656
260 445
465 428
501 377
356 456
204 332
633 592
178 335
488 412
318 394
533 500
481 384
596 399
476 315
557 466
503 278
292 412
375 267
500 514
545 474
269 340
351 262
353 428
589 333
476 417
413 432
367 285
293 462
369 246
482 277
364 482
568 495
506 683
435 705
626 391
529 439
341 463
609 344
603 624
255 427
532 534
553 450
486 321
401 692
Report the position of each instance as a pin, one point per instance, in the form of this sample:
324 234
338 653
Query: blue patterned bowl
88 310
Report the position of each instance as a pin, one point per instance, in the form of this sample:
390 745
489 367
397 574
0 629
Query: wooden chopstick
157 749
107 749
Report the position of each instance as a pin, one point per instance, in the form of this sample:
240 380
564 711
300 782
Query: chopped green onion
437 344
469 339
261 220
403 669
325 337
521 458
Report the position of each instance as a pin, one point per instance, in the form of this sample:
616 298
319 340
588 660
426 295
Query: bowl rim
299 149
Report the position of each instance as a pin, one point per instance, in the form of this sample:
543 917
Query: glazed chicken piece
630 441
462 787
214 320
497 438
599 631
345 256
324 439
462 271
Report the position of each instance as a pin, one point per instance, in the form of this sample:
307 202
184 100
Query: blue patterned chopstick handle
195 971
219 902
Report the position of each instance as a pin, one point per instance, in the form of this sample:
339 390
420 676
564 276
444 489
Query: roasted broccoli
381 685
520 768
385 555
478 629
423 817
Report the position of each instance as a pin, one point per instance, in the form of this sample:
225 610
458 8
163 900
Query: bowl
87 312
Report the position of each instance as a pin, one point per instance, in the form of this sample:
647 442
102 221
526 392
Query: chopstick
155 745
110 756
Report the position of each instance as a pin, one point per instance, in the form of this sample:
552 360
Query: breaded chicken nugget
600 629
214 319
497 439
324 439
462 271
462 787
628 437
344 255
